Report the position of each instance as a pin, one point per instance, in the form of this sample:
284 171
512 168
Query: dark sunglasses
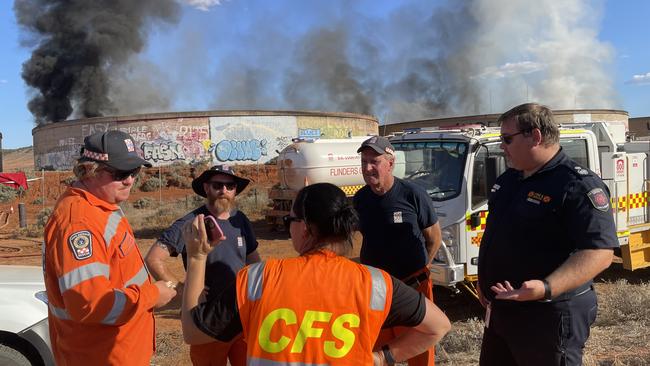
288 219
120 175
507 139
219 185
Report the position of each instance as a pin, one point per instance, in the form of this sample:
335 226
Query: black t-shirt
228 257
218 317
536 223
392 226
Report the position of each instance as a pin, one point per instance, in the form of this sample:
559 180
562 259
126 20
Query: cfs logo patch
81 244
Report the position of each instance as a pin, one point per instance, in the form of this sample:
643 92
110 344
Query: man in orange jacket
101 298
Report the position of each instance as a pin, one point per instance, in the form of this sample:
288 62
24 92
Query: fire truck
457 168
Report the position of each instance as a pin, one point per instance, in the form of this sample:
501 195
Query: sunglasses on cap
120 175
507 139
219 185
288 219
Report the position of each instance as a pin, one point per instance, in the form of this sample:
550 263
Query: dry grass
620 335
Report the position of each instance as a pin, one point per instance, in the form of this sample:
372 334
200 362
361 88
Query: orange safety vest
100 295
316 309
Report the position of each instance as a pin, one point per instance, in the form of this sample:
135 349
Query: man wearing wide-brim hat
219 185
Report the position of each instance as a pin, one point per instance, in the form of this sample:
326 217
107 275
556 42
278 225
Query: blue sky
252 54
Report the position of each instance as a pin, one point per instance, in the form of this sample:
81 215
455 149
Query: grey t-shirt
227 258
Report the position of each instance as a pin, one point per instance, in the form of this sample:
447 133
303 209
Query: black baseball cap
113 148
197 184
378 143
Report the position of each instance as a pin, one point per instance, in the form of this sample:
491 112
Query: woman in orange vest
317 308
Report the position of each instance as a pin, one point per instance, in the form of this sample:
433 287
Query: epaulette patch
81 244
581 170
598 199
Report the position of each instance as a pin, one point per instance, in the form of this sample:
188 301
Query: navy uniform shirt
228 257
392 226
535 223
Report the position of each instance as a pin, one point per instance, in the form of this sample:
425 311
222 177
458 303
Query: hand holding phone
212 229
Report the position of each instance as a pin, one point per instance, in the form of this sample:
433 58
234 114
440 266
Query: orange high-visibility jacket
100 295
316 309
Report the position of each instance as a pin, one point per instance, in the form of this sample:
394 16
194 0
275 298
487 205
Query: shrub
7 193
625 302
38 201
42 217
175 179
465 337
144 202
30 231
153 184
69 180
253 201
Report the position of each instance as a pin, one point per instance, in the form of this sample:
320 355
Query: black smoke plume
77 44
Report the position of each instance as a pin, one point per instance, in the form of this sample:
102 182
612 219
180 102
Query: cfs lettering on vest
337 331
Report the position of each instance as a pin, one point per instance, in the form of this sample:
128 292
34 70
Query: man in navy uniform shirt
550 231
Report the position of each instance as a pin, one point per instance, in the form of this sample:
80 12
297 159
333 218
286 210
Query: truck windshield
436 166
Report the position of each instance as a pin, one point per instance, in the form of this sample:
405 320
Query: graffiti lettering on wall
197 133
163 143
335 132
67 141
58 160
91 128
231 150
250 139
166 151
139 133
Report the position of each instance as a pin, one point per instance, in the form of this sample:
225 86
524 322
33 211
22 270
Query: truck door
488 164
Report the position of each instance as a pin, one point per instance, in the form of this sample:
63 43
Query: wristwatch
388 355
547 291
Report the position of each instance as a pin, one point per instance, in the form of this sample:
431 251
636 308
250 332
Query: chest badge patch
538 198
81 244
397 217
240 241
598 199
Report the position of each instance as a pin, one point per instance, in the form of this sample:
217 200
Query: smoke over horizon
80 50
420 60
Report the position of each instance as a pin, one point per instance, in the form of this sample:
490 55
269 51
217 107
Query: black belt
415 281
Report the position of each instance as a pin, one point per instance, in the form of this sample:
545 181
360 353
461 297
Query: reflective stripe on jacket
100 295
316 309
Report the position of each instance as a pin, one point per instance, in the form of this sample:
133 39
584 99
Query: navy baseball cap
113 148
378 143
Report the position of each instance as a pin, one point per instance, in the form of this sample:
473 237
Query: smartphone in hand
212 228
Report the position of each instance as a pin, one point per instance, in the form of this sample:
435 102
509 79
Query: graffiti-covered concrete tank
236 137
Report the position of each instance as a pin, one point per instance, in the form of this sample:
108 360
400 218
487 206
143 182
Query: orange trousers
218 353
427 358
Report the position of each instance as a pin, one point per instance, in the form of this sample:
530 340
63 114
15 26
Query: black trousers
536 333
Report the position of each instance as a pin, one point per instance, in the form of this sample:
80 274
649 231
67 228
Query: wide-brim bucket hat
197 184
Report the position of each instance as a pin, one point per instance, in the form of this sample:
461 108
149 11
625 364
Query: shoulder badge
81 244
580 170
598 199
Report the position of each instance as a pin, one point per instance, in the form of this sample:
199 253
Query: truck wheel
12 357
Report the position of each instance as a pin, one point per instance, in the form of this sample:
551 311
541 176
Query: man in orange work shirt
101 298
